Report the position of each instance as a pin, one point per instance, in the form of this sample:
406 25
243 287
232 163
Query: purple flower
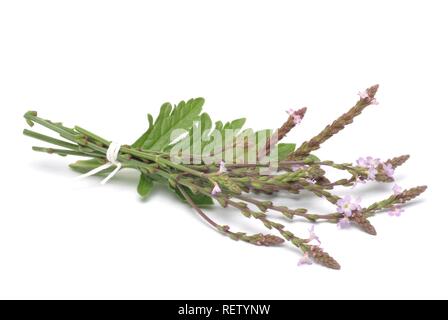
362 162
343 223
216 189
397 189
313 235
388 169
368 162
346 206
305 260
371 164
222 167
372 173
396 211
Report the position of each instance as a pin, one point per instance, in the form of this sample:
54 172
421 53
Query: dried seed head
363 223
323 258
290 123
269 240
398 161
408 195
372 90
294 119
336 126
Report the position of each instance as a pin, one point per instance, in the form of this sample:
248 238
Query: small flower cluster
347 207
372 165
396 210
306 259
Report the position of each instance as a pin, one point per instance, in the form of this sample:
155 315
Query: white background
105 64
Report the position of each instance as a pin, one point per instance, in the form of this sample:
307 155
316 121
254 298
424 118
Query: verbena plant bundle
201 163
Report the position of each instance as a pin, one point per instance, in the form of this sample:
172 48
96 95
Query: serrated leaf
236 124
197 136
139 142
206 122
212 142
171 119
145 185
216 139
198 199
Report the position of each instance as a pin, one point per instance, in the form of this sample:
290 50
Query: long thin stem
257 239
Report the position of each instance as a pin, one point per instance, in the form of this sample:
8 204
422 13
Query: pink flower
305 260
397 189
216 189
371 164
396 211
290 111
222 167
363 94
388 169
362 162
313 235
343 223
346 206
297 119
368 162
295 115
372 173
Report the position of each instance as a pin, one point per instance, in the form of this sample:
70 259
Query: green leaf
206 122
199 199
284 150
236 124
143 137
84 166
145 185
170 119
195 144
219 131
212 139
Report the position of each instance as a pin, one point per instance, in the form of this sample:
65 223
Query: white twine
111 155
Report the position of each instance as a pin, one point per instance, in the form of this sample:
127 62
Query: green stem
51 140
